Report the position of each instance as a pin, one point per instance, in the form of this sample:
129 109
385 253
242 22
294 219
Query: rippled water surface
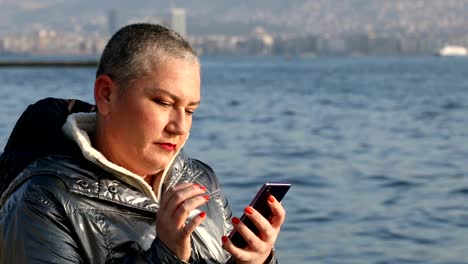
376 148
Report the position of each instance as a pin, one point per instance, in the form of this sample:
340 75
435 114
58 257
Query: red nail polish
271 199
248 210
207 198
235 220
225 239
202 214
203 188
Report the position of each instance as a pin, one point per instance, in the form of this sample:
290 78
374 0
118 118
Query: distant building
112 23
357 44
178 21
384 46
336 46
259 42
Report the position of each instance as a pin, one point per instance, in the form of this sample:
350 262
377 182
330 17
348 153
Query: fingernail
202 214
207 198
271 199
224 239
248 210
203 188
235 220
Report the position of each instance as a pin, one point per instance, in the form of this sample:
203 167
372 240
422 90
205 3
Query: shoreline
51 63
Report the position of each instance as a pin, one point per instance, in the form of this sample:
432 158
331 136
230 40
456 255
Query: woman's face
148 122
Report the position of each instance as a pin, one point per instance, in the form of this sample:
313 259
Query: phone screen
260 203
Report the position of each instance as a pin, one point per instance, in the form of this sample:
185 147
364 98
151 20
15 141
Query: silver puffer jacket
62 208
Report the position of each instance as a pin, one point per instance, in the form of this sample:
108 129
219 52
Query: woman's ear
103 90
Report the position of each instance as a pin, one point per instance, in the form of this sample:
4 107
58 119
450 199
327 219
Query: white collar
78 126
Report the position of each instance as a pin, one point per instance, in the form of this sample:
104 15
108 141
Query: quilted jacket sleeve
34 230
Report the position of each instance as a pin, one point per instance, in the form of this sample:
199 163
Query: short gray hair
133 50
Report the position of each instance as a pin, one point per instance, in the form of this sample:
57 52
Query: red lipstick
168 146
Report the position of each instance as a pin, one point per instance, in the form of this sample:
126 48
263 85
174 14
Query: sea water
375 148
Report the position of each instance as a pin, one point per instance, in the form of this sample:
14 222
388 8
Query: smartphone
260 203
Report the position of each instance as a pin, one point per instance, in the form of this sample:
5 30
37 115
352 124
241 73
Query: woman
114 185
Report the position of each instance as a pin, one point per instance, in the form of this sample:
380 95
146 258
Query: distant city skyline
205 17
260 27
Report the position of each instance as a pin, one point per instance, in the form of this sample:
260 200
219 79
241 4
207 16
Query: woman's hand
177 202
259 247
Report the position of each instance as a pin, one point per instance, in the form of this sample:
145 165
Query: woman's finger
238 253
192 225
182 194
266 231
278 214
181 214
247 234
170 192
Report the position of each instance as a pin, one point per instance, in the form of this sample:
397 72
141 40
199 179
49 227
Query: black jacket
63 208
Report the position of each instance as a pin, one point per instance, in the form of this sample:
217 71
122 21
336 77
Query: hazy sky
218 16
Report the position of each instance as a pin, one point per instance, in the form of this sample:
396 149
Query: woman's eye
163 103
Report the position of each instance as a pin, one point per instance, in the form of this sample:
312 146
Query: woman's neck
153 181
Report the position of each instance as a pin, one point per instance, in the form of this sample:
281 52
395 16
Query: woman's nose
178 123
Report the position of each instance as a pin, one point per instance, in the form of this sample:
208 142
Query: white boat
452 50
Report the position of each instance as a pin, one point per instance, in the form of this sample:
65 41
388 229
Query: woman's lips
168 146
